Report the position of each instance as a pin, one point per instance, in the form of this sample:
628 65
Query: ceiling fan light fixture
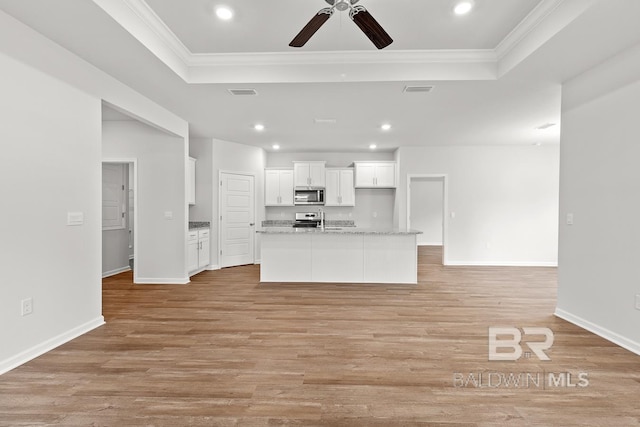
358 14
342 5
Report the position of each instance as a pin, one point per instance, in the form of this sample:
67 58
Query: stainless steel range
307 219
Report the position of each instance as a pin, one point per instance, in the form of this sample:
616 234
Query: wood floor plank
226 350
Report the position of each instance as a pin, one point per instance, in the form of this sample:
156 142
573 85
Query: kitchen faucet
321 212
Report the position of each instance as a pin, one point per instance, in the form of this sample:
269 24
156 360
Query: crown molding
546 20
531 21
342 57
137 17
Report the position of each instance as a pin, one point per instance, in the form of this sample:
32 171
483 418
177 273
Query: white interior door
237 223
113 197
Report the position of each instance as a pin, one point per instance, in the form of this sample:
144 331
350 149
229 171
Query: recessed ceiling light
275 146
385 126
258 127
373 146
463 7
224 13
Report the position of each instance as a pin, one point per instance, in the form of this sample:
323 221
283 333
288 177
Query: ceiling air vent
239 92
417 89
325 121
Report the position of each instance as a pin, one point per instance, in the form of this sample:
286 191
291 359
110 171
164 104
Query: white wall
233 157
161 188
598 277
427 202
374 207
45 55
51 165
505 201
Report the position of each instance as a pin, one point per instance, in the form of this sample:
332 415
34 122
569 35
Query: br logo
512 341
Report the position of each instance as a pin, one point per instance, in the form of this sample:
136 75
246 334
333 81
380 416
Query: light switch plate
75 218
569 219
637 301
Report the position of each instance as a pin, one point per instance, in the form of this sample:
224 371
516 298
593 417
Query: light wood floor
227 351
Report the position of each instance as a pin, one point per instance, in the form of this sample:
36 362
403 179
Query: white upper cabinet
278 188
340 190
309 174
191 184
375 174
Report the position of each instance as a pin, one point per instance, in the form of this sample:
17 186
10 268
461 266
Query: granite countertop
193 225
328 223
337 230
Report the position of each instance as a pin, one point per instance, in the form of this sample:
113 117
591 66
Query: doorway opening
427 210
119 216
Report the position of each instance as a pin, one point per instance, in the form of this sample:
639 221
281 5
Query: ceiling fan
357 13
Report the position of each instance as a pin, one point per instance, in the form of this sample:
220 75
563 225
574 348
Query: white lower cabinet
198 250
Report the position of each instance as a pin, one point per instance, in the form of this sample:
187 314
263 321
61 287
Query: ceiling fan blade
312 26
370 27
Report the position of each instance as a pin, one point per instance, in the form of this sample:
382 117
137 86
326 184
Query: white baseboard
605 333
258 261
503 263
429 243
214 267
161 281
116 271
40 349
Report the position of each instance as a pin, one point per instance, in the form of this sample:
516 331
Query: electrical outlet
27 306
637 301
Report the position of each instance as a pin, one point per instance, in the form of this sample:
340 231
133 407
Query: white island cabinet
348 255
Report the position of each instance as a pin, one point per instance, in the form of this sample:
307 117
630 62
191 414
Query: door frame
127 161
445 207
219 221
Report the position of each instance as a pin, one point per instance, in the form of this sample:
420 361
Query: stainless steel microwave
309 196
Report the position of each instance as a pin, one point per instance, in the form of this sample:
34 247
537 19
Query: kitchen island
338 255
